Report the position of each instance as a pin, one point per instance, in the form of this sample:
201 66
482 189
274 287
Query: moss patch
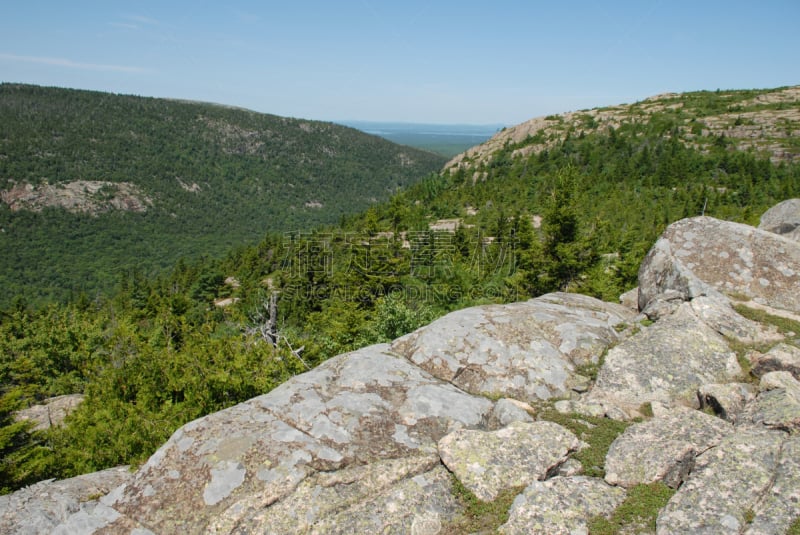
479 516
597 432
646 410
637 514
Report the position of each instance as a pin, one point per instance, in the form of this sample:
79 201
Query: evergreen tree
567 251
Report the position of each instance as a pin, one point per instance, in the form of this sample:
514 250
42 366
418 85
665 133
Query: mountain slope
579 215
93 182
598 186
765 122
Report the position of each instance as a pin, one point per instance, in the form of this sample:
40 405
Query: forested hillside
94 184
574 208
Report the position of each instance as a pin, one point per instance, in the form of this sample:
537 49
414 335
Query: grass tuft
786 326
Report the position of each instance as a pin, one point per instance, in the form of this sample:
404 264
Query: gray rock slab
780 506
630 299
778 380
667 361
561 506
777 405
96 519
221 470
719 315
386 496
41 507
567 406
663 448
526 351
727 400
571 467
704 256
783 219
782 357
489 462
420 505
727 483
507 411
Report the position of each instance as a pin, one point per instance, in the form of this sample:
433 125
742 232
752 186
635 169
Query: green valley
568 202
94 185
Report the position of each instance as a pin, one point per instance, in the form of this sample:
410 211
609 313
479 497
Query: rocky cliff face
385 439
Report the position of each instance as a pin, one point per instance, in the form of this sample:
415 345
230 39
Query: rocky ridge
379 440
766 122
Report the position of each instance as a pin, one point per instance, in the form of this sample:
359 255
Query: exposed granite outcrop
703 256
51 412
370 441
667 361
782 357
222 471
42 507
385 495
527 350
489 462
762 128
779 507
783 219
719 315
727 482
777 405
561 506
663 448
79 196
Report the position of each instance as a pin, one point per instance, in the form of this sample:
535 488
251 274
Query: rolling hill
95 184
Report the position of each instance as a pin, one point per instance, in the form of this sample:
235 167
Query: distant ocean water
390 128
446 139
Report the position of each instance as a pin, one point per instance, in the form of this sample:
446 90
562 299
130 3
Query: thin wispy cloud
125 25
134 22
142 20
70 64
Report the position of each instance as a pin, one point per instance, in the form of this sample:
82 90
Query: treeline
159 351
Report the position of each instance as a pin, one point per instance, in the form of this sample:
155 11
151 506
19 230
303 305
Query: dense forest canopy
173 180
578 213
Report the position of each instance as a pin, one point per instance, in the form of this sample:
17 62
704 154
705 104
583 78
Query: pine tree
567 252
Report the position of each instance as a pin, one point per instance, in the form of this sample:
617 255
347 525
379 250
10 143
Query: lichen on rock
703 256
527 350
489 462
663 448
561 506
666 362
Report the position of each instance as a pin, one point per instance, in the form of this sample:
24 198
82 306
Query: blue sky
463 61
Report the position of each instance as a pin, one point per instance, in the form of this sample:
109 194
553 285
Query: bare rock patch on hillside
80 196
